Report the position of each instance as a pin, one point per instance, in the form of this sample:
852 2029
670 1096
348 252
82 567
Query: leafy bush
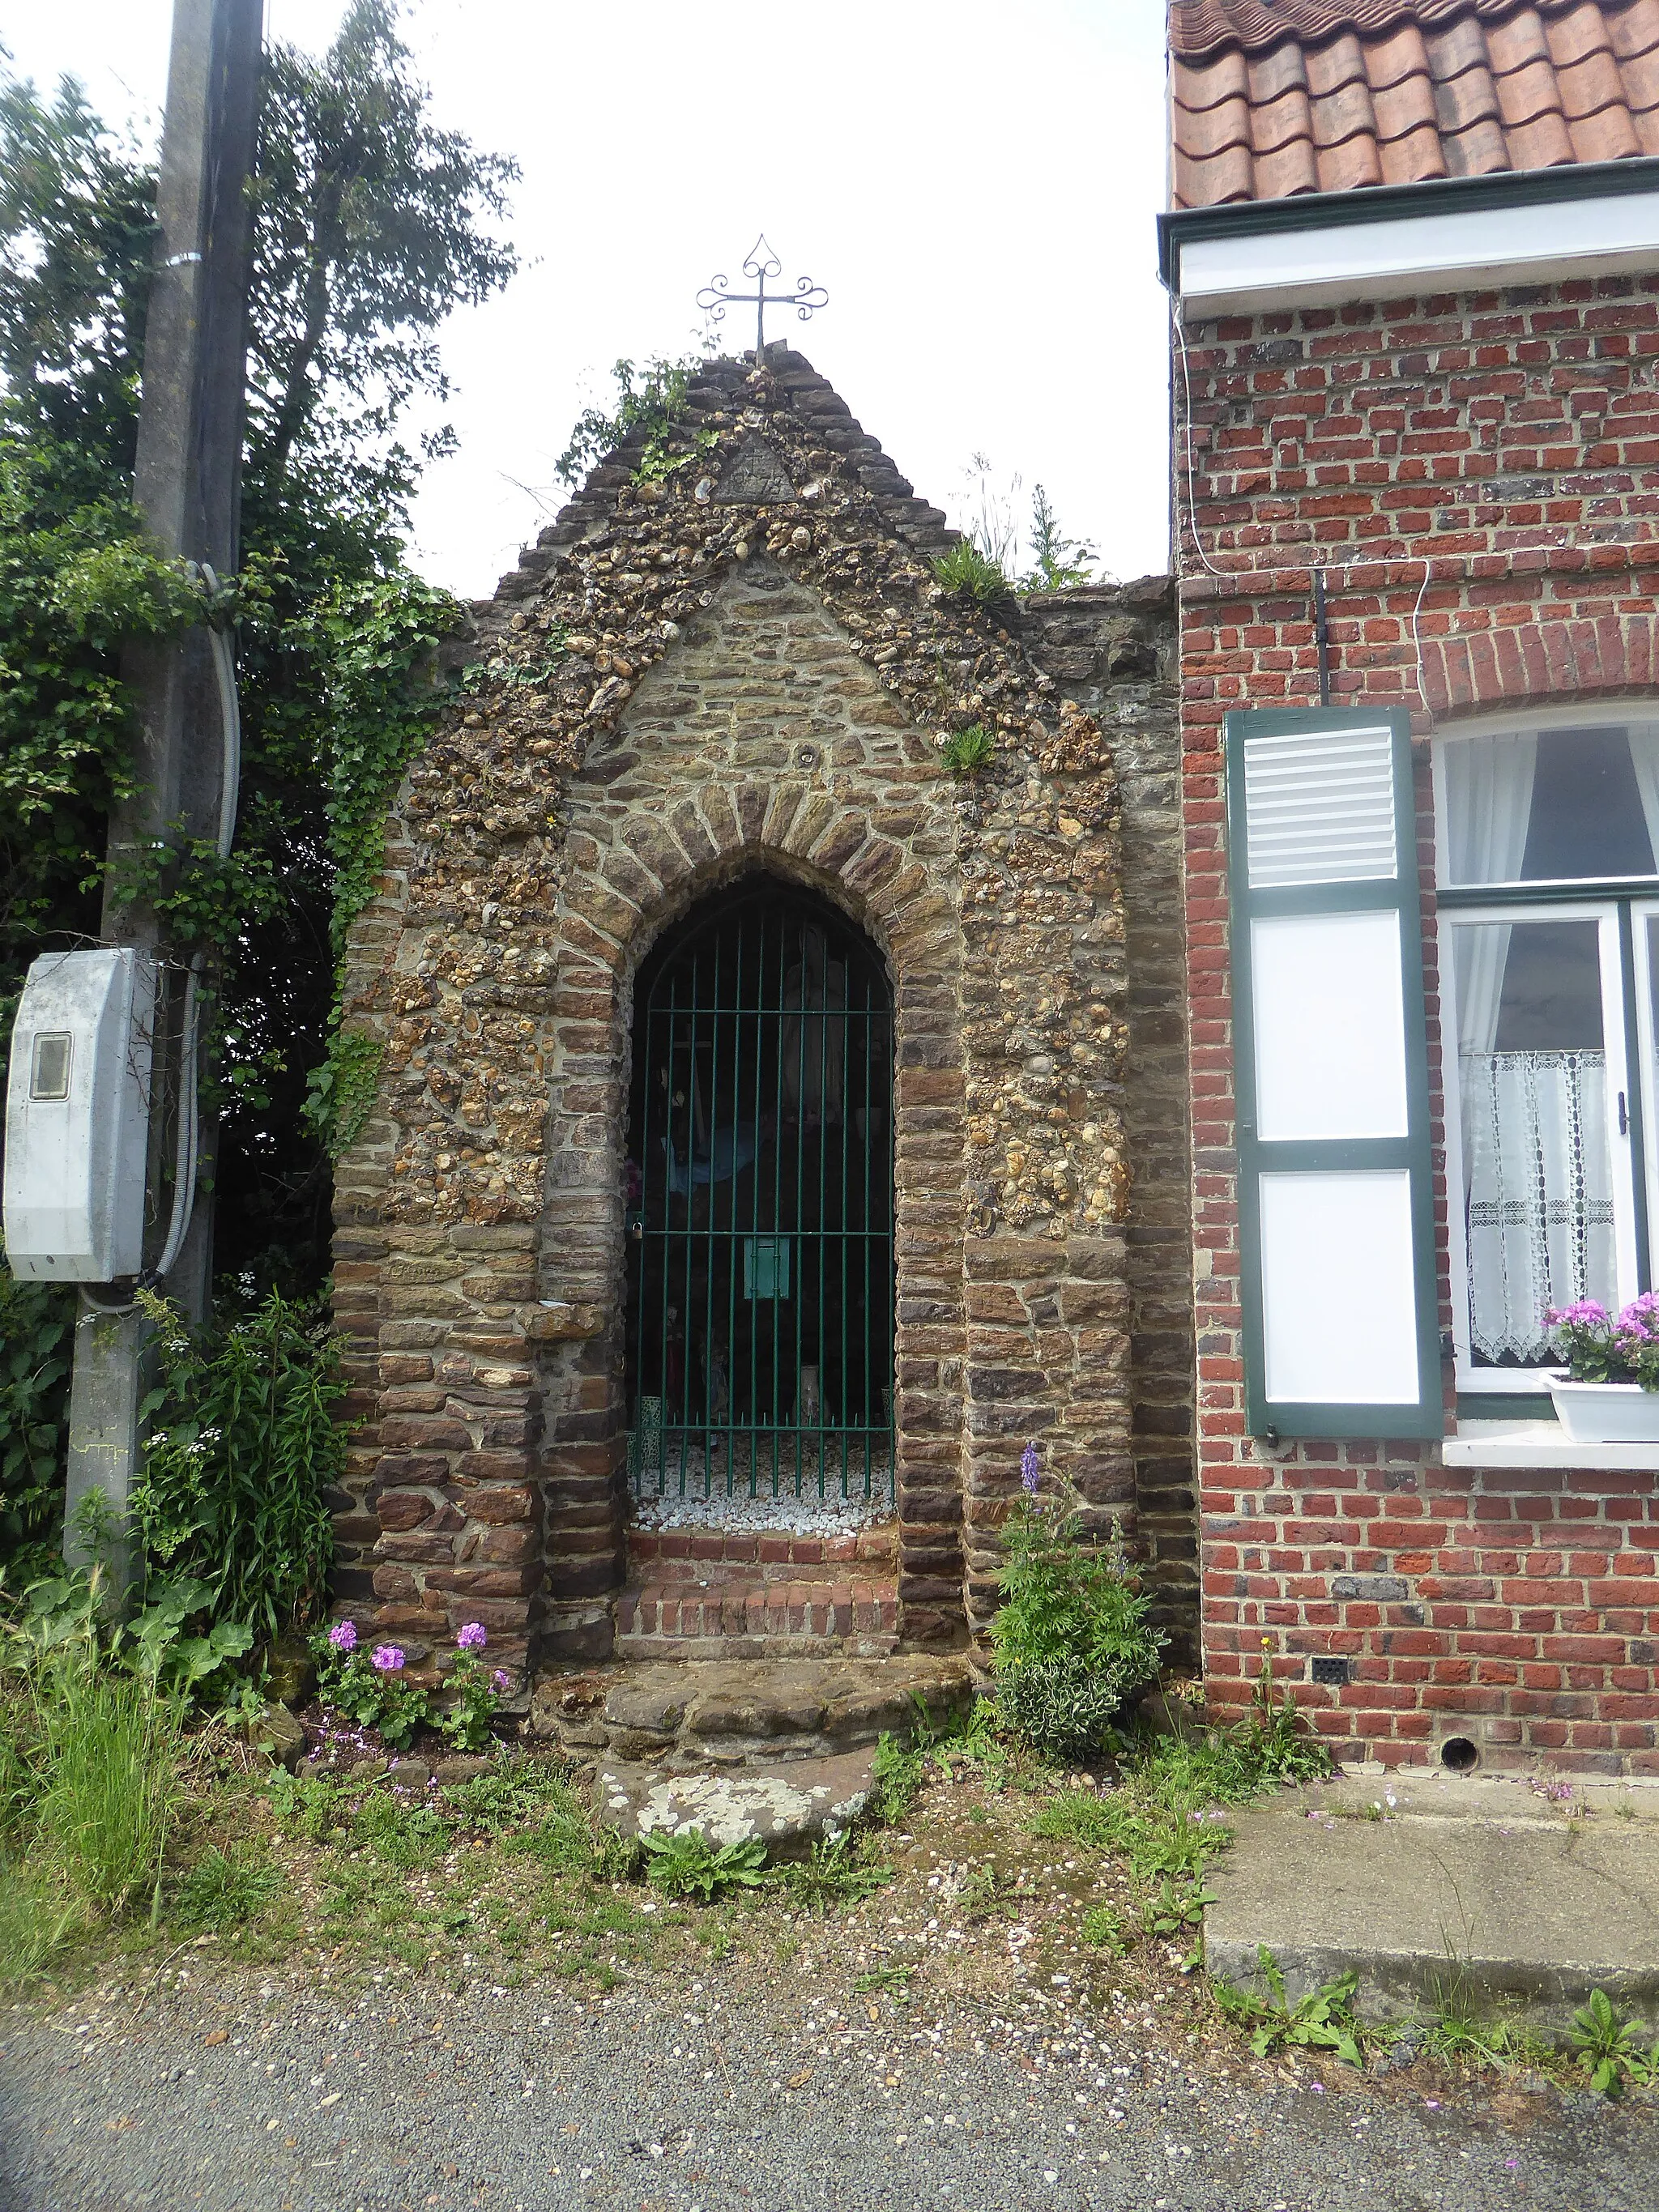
686 1864
1071 1637
37 1330
649 398
1060 1707
967 572
243 1451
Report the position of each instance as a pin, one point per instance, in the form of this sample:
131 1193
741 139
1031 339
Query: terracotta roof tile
1640 78
1275 74
1282 121
1274 97
1412 158
1583 30
1481 151
1527 95
1398 55
1609 135
1634 29
1216 129
1289 169
1544 143
1351 166
1329 67
1590 85
1468 98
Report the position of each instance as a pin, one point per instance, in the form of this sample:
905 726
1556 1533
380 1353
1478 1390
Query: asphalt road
668 2102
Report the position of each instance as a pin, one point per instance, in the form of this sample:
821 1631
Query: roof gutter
1516 227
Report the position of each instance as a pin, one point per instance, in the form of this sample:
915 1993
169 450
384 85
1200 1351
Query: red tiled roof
1332 95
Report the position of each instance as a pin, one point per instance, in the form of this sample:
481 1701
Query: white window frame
1573 714
1513 1382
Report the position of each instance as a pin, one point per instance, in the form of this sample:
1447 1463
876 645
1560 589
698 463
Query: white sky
975 182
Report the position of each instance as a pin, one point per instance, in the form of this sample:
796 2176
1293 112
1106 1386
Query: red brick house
1413 260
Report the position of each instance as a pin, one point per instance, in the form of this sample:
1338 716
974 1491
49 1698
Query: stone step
733 1618
693 1712
692 1554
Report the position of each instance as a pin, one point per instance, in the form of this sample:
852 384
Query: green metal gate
760 1206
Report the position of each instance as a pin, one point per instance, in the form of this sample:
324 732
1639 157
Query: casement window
1336 1221
1547 866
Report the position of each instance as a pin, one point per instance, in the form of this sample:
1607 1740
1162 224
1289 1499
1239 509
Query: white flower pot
1605 1412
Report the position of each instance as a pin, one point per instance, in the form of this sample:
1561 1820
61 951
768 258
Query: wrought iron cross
806 298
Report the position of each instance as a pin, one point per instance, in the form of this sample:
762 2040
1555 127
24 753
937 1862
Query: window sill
1538 1443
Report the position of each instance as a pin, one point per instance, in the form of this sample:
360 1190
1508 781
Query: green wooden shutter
1336 1208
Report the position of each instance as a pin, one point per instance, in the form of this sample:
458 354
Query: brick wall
1478 476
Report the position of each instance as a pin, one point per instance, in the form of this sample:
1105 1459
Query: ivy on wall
379 643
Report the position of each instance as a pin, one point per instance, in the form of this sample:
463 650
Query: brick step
729 1619
663 1555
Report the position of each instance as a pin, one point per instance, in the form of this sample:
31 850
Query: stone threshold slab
1516 1899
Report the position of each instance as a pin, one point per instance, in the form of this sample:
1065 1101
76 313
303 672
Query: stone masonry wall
1479 476
1114 649
751 586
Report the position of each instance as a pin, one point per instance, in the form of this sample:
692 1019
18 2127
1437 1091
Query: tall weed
109 1744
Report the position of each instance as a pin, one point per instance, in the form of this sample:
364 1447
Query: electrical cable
187 1147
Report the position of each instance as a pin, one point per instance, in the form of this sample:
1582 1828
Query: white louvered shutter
1336 1215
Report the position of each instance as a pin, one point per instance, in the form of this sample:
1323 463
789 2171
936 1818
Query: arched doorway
759 1208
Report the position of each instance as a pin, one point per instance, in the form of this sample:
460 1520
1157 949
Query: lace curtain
1539 1204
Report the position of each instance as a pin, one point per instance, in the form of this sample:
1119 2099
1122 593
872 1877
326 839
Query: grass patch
224 1890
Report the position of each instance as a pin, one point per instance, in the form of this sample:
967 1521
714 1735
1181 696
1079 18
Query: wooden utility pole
187 486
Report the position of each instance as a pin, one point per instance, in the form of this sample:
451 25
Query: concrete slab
1526 1895
798 1803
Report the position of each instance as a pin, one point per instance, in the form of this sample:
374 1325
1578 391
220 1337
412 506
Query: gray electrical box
77 1117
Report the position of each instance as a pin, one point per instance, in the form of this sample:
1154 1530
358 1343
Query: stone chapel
777 980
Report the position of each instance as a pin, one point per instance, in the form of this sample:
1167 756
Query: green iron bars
759 1205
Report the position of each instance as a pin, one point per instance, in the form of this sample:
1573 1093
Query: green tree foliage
370 225
36 1324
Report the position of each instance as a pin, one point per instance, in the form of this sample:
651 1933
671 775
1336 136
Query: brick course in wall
1478 476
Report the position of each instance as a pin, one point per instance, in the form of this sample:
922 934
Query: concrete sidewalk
1523 1896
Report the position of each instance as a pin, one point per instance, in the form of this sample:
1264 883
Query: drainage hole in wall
1458 1755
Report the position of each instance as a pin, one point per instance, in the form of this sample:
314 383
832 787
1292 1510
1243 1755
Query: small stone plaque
754 475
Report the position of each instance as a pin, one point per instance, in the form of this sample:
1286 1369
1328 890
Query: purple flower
1640 1318
1031 1469
343 1636
1586 1314
501 1680
388 1657
473 1637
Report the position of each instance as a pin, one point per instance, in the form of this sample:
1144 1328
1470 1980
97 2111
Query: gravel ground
240 2095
